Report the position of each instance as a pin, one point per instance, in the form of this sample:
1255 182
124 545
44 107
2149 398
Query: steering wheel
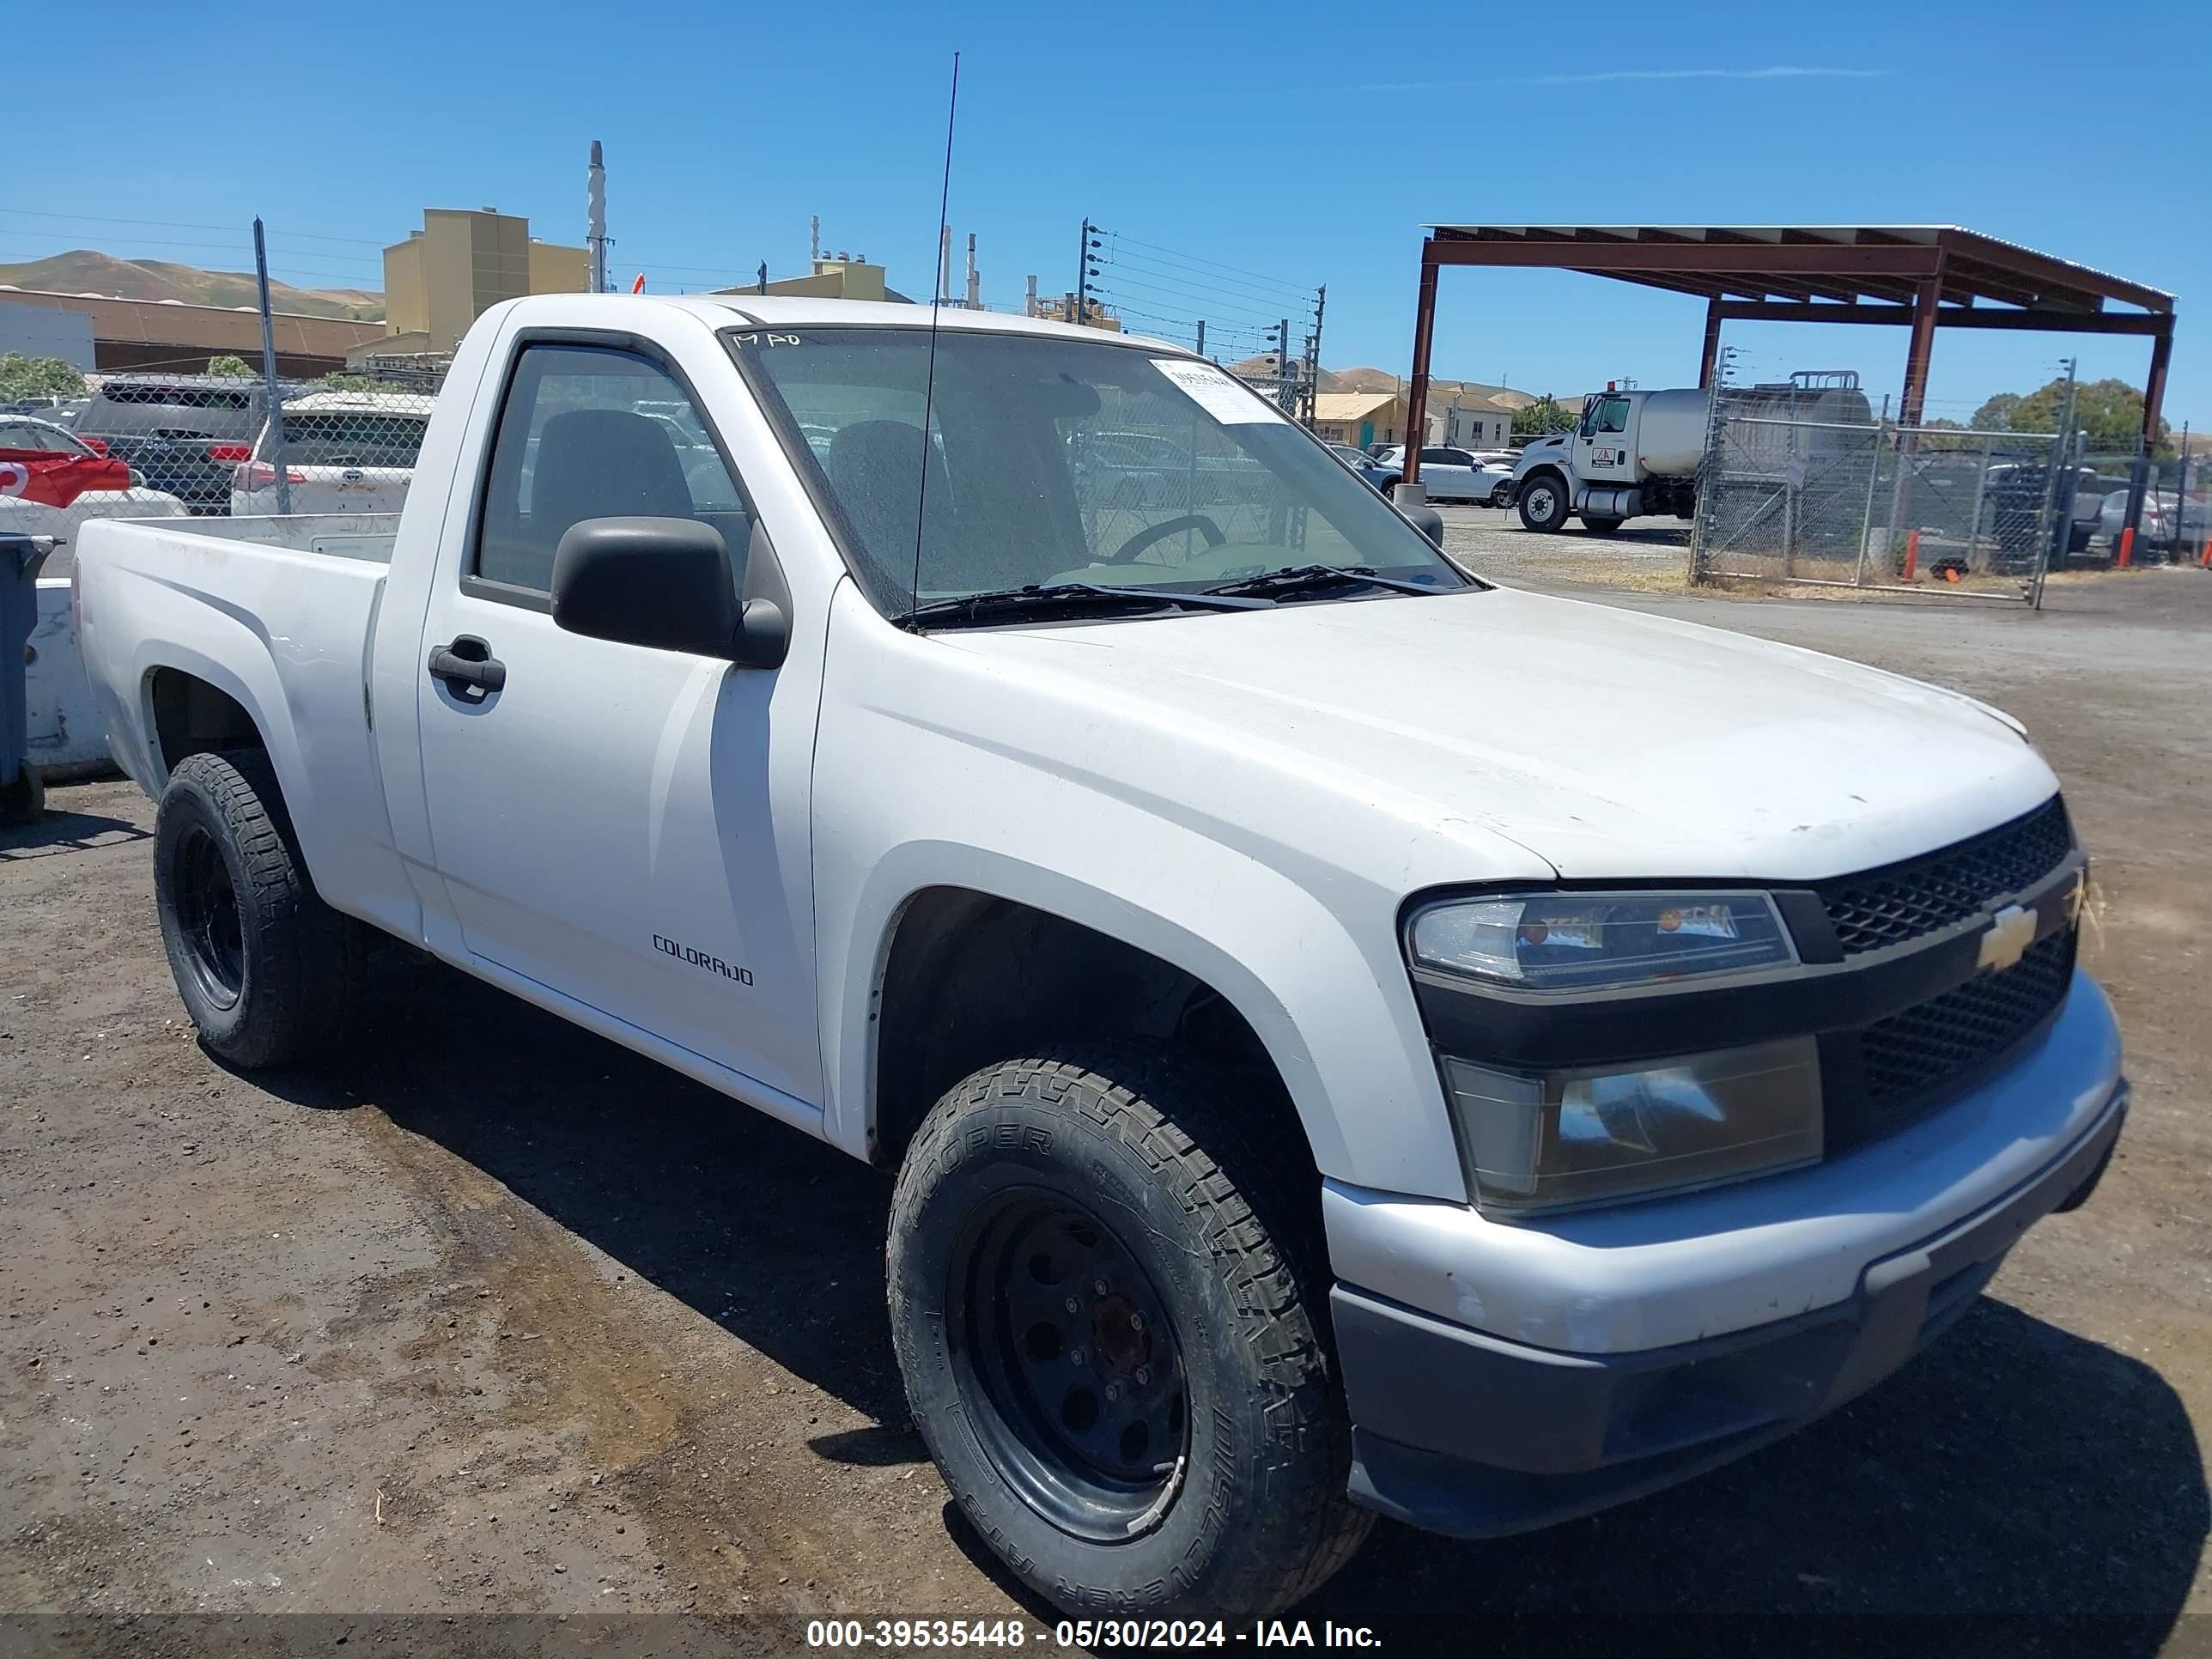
1144 538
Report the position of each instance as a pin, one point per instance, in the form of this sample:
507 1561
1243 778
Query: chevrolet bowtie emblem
2011 932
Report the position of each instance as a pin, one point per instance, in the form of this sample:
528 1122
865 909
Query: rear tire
1543 502
266 970
1106 1301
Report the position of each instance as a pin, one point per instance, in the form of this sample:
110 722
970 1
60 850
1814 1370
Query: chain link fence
156 445
1878 505
2175 525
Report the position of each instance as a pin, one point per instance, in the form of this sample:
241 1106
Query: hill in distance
82 270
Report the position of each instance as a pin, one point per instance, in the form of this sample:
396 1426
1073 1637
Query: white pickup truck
1351 1038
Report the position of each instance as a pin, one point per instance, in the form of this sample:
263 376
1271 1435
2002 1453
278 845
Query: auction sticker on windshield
1226 399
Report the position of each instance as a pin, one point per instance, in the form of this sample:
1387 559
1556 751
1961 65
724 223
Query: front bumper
1471 1435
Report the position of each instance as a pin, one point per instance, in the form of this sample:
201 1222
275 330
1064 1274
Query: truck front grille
1926 1046
1885 1075
1905 901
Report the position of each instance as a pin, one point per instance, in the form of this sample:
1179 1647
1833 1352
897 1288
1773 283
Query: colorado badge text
712 965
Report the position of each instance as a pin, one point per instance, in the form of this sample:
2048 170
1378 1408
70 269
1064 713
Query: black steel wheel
1072 1356
208 917
265 968
1106 1289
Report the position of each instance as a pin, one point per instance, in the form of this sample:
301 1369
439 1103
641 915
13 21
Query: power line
1258 316
1246 295
1238 269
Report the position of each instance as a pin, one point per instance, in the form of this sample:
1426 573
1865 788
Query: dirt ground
495 1317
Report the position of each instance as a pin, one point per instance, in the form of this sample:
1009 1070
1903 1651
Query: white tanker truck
1636 453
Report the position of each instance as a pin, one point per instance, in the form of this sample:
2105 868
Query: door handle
468 662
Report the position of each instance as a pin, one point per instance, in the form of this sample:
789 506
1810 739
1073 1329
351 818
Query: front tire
266 969
1543 502
1106 1304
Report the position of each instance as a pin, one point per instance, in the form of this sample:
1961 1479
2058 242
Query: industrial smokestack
595 201
974 283
1029 296
814 242
944 264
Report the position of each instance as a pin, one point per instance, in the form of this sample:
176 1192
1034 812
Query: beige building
1362 419
832 279
460 264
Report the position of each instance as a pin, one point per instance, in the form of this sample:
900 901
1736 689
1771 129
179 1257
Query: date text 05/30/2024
1084 1633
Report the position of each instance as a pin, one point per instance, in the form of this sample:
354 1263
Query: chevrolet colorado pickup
1351 1038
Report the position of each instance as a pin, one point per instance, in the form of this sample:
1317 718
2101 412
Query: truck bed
278 614
363 536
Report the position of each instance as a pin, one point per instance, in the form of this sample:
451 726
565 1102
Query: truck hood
1607 742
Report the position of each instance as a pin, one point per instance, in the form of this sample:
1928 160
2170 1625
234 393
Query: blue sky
1307 143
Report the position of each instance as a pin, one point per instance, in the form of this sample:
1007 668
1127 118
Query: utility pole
269 375
1286 374
595 201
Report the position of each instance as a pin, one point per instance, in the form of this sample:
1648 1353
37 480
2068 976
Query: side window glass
593 432
1613 415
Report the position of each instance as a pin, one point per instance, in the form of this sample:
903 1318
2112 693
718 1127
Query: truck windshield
1048 461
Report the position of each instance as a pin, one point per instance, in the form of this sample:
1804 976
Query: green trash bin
22 796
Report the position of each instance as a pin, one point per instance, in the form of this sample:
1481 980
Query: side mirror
663 583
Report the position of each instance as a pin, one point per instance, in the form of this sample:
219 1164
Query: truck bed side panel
283 632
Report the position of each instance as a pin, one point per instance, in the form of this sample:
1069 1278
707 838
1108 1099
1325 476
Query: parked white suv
345 452
1350 1038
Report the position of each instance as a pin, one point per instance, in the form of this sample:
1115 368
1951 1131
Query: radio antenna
936 298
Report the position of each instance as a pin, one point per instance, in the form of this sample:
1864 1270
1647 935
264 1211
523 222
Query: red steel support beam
2161 352
1697 258
1709 361
1417 391
2162 355
1916 356
2059 322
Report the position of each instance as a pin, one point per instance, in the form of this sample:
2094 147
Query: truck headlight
1592 1134
1593 941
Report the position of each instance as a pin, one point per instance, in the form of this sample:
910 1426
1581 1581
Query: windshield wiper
1063 595
1295 578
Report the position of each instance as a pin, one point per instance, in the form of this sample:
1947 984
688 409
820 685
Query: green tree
1545 414
342 382
37 377
1995 415
236 367
2110 411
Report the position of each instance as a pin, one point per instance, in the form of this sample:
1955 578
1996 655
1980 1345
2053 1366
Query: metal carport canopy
1920 276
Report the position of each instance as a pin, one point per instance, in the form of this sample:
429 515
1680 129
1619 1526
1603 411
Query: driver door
1603 453
602 819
